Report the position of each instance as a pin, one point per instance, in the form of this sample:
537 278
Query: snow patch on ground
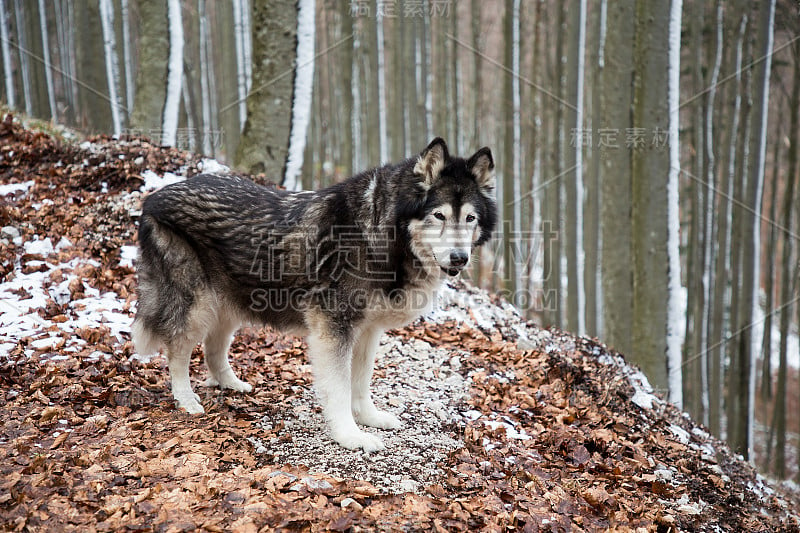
127 255
16 188
212 166
475 308
23 295
153 181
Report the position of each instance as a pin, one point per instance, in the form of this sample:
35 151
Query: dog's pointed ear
481 165
431 161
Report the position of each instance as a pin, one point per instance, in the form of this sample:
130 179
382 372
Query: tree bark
264 144
617 261
346 79
650 168
789 275
151 76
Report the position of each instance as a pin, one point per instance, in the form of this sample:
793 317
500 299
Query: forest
646 152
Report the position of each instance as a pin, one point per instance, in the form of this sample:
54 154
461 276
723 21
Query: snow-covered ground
37 283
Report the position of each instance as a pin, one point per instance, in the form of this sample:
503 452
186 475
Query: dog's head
458 211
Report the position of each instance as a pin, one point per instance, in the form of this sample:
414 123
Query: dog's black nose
458 258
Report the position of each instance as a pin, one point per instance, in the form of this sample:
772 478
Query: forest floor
506 426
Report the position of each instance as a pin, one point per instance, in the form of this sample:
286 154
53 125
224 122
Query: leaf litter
505 426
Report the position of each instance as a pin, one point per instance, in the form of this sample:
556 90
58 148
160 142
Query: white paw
228 381
377 419
355 439
189 401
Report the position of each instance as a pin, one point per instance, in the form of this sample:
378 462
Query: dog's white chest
403 306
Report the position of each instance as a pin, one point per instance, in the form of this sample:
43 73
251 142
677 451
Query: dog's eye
439 215
470 218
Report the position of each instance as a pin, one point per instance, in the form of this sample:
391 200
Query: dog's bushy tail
145 341
169 273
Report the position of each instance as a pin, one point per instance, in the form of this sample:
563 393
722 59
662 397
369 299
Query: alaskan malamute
340 265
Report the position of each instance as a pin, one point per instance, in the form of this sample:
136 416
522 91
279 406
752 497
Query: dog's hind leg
179 351
216 345
331 357
364 409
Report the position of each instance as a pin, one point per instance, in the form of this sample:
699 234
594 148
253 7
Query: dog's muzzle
458 260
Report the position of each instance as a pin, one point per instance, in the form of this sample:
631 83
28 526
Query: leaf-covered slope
505 425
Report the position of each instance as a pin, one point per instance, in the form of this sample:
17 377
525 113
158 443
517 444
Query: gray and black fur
340 265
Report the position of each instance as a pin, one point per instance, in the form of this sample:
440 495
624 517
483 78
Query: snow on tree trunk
427 73
247 44
674 320
172 103
382 133
506 198
355 120
241 76
48 67
651 174
708 241
751 278
517 138
574 178
303 83
204 89
126 55
112 68
8 73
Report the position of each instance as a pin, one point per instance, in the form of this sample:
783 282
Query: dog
340 265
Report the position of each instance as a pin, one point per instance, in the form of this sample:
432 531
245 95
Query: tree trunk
381 75
788 281
741 437
617 261
6 48
573 161
48 67
127 57
95 114
264 144
151 77
770 282
301 93
723 237
241 77
711 178
592 180
674 289
172 102
650 177
692 361
112 65
477 94
509 230
551 214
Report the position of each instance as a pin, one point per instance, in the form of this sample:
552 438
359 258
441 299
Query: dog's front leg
364 409
331 360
